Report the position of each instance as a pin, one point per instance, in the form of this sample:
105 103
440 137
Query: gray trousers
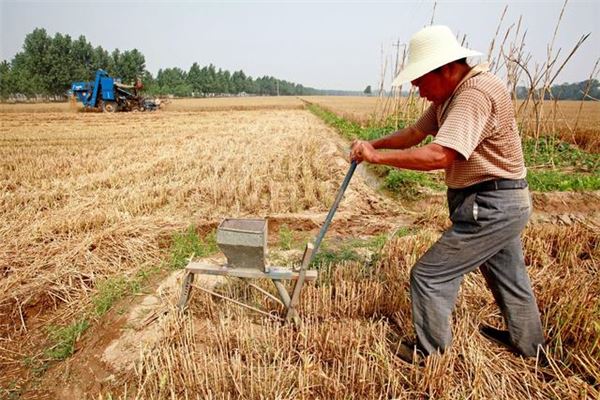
485 234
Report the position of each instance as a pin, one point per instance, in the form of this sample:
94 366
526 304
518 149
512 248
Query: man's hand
362 150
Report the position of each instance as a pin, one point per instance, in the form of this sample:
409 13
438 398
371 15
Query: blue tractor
109 95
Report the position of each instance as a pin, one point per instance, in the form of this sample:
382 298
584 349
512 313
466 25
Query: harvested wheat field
234 103
58 107
90 198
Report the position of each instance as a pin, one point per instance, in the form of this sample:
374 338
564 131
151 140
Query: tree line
48 65
584 90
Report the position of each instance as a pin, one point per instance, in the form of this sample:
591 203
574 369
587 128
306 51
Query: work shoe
498 336
502 337
410 353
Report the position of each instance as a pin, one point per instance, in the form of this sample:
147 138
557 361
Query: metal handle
333 209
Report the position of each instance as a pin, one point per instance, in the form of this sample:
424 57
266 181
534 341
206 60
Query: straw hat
429 49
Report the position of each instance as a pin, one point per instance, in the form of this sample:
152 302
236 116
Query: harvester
108 94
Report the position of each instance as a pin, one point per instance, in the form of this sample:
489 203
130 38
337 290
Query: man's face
435 86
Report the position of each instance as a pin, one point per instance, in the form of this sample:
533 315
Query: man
477 143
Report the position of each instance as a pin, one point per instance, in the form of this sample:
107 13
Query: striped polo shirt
478 121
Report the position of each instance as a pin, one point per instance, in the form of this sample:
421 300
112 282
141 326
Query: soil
116 342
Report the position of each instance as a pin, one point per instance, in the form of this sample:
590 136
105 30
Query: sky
322 44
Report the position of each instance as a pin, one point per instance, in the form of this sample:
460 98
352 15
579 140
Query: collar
476 70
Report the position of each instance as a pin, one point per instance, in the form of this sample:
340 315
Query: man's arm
402 139
425 158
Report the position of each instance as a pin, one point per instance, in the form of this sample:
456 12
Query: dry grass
235 103
188 104
38 107
84 196
356 314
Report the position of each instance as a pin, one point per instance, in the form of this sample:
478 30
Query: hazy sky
327 45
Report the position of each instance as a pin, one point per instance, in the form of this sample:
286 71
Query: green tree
61 65
101 59
367 90
238 82
34 64
82 53
173 81
23 80
128 65
194 79
6 86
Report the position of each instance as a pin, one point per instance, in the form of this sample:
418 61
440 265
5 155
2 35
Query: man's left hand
362 150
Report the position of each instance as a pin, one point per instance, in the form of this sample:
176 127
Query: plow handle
333 209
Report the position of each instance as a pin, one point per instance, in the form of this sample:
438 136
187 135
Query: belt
495 184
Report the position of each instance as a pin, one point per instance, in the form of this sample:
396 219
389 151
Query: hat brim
416 70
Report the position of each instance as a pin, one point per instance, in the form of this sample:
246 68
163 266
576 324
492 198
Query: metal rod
333 209
269 295
238 303
285 296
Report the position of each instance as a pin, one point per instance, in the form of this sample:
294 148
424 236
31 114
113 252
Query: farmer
477 143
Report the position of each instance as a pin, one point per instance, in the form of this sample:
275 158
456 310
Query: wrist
376 157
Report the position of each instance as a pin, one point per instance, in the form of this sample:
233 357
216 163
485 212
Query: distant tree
34 65
173 81
238 82
221 84
101 60
61 64
6 85
194 79
367 90
127 65
83 60
567 91
227 82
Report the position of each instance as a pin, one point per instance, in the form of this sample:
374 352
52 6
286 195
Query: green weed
409 184
188 244
547 181
349 129
334 256
13 391
111 290
64 338
550 152
286 237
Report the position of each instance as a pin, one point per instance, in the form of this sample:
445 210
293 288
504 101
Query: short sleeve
428 121
464 127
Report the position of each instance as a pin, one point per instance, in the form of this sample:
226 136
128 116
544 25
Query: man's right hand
354 154
363 150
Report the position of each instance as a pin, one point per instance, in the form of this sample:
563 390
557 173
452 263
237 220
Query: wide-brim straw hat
430 48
